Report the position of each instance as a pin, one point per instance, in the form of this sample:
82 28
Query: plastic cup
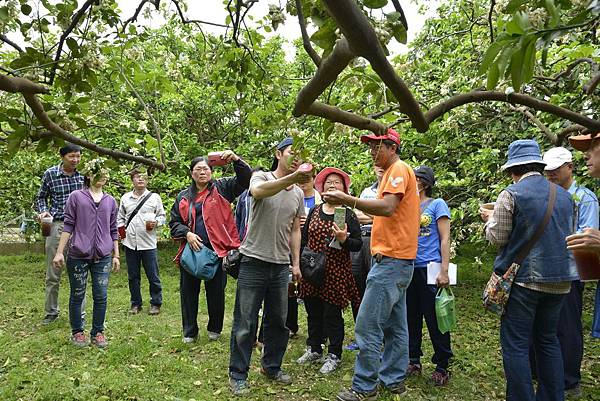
122 232
46 223
150 219
488 206
588 265
305 168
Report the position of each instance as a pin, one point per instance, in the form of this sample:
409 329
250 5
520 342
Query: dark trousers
149 259
570 334
325 321
215 300
259 281
420 303
361 264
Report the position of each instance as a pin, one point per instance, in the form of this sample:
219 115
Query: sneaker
79 339
135 309
413 369
49 319
353 395
189 340
293 335
398 388
353 346
154 310
332 362
439 378
573 393
238 386
281 377
213 336
309 357
99 340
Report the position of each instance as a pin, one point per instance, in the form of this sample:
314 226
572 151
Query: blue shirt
587 205
56 187
309 202
429 236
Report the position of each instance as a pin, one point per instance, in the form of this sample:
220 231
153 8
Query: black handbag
312 266
231 263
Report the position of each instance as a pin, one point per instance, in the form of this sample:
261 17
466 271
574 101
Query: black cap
425 173
288 141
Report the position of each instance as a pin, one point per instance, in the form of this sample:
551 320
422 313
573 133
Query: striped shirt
498 230
56 188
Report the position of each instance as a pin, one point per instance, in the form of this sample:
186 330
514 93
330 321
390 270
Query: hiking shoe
353 346
398 388
79 339
309 357
353 395
280 377
238 386
332 362
439 378
154 310
414 369
99 340
49 319
135 309
213 336
189 340
573 393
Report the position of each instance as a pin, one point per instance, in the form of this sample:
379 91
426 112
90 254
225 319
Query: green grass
146 359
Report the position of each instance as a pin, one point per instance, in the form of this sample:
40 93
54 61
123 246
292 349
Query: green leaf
72 44
4 13
515 68
490 55
26 9
375 3
553 12
529 61
493 76
514 5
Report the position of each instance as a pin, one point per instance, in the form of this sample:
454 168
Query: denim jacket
548 260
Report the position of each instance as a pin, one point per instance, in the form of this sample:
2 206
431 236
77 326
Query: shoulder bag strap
190 206
538 233
137 208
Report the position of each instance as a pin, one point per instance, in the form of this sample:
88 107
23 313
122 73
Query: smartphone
339 216
214 159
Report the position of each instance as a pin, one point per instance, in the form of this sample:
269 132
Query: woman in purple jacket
91 225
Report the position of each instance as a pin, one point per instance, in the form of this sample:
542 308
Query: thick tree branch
305 39
38 110
334 114
327 72
22 85
513 98
363 41
74 21
11 43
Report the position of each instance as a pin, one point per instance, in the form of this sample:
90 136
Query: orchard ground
146 359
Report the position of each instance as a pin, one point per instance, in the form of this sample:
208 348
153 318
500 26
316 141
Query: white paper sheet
434 268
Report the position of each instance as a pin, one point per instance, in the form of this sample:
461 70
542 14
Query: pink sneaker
99 340
79 339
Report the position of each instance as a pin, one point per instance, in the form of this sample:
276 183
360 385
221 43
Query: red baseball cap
390 134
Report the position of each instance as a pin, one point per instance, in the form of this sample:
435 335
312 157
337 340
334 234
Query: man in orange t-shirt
381 318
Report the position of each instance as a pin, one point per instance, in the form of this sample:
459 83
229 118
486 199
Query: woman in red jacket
212 225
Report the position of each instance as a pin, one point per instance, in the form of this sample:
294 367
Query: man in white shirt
140 212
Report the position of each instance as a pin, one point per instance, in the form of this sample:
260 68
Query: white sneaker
309 357
332 362
189 340
213 336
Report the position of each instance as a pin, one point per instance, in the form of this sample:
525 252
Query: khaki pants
53 275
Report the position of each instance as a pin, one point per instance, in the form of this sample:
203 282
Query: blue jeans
532 315
149 259
259 280
381 321
78 273
596 322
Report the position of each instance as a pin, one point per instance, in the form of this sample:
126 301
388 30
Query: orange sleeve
395 180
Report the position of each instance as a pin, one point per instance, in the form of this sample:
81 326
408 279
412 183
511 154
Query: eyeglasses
337 182
199 169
